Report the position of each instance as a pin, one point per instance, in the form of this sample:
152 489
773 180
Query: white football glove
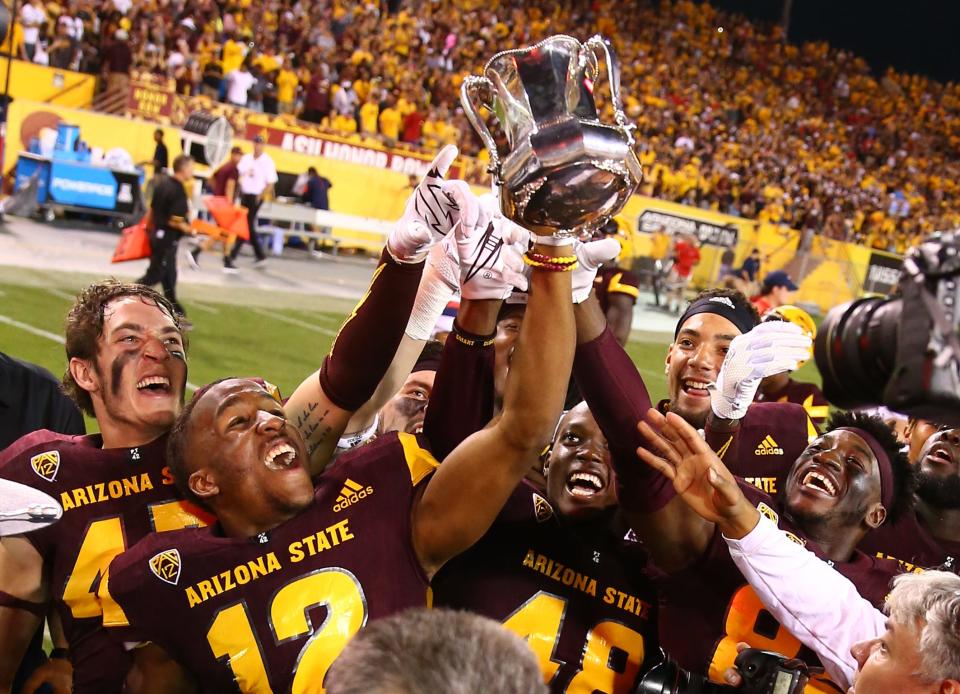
768 349
590 256
431 211
489 255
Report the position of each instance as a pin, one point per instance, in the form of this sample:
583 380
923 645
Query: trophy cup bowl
564 172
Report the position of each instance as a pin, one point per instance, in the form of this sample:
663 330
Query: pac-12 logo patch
46 464
166 566
768 512
542 508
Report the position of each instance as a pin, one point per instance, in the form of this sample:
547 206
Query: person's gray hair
929 602
424 651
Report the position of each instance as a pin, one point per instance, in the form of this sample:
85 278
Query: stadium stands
731 118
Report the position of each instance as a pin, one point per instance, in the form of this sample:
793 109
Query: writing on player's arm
468 490
362 351
24 592
618 398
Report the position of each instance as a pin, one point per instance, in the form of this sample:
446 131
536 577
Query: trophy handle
598 45
470 96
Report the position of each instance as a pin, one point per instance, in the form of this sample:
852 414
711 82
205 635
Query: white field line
294 321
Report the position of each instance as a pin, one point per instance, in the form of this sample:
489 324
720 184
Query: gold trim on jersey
113 615
722 451
617 287
812 432
419 460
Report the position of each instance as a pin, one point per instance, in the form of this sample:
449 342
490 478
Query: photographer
915 649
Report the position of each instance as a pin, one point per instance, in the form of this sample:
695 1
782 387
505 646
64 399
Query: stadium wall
376 182
32 82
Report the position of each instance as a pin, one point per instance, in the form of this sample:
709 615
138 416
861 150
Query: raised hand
432 211
590 256
768 349
489 257
698 475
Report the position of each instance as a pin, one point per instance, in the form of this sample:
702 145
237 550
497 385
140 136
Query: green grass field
283 339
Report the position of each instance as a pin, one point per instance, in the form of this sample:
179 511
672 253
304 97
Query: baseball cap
236 150
779 278
258 138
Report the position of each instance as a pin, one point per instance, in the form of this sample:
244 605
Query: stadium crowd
731 117
239 540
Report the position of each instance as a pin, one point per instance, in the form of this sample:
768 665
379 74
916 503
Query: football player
928 538
554 567
127 367
757 441
782 387
269 595
617 290
846 483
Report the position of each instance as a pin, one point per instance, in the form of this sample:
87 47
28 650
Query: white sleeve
272 172
817 604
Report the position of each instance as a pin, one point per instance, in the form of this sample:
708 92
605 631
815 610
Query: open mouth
584 484
939 455
281 456
819 483
695 388
154 384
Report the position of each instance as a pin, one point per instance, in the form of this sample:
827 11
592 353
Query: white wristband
432 297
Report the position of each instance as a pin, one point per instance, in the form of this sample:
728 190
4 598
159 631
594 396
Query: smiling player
127 366
928 538
844 485
269 596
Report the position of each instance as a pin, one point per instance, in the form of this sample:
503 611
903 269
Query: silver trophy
565 172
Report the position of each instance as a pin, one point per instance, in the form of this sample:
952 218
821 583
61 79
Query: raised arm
462 401
468 490
364 348
618 399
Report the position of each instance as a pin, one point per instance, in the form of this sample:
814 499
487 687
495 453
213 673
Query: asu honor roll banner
373 181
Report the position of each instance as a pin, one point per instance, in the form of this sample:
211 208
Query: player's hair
929 603
904 474
735 295
437 650
84 326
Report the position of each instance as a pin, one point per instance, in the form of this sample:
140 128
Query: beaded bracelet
554 260
550 267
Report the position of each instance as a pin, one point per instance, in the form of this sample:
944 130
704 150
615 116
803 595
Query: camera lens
856 349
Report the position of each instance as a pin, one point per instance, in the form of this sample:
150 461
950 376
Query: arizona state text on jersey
576 594
270 613
111 499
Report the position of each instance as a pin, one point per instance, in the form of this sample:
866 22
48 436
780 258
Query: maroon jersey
615 280
769 440
911 543
576 594
272 612
708 607
111 498
807 395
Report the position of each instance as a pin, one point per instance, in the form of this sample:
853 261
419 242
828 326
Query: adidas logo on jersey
768 447
351 494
